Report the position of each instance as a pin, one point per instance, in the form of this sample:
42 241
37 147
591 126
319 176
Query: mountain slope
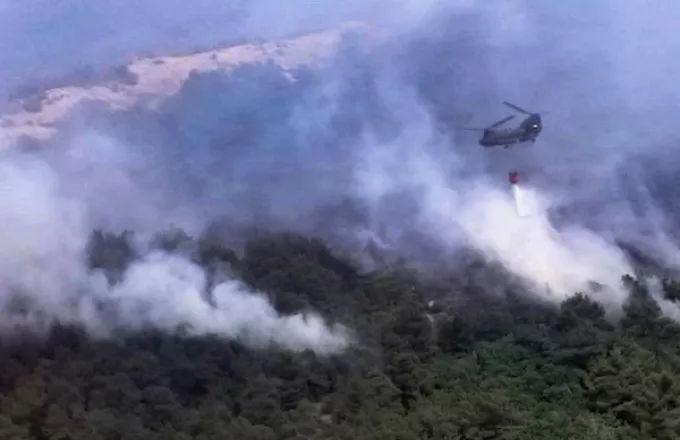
145 81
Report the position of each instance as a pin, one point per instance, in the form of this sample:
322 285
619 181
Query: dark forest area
478 368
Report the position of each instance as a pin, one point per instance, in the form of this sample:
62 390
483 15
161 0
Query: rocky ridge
146 81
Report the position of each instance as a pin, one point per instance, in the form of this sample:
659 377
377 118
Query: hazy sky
48 35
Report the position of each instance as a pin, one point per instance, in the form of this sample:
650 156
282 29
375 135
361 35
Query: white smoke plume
482 214
44 279
167 292
43 237
563 261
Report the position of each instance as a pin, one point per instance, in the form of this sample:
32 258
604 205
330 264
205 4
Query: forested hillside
345 190
483 367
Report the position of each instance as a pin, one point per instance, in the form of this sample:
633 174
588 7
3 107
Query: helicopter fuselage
528 130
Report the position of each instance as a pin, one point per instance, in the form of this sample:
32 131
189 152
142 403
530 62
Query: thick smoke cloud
166 291
365 147
46 221
43 240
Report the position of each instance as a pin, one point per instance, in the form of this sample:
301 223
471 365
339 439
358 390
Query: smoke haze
44 278
365 146
166 291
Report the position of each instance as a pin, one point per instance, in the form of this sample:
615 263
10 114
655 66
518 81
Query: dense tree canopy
498 368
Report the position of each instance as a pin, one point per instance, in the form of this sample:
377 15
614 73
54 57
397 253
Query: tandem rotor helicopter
527 130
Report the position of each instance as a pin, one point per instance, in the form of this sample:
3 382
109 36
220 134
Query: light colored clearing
159 77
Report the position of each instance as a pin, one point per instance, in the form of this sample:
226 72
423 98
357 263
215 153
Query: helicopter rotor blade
502 121
514 107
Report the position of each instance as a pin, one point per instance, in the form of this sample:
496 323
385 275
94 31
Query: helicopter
527 130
